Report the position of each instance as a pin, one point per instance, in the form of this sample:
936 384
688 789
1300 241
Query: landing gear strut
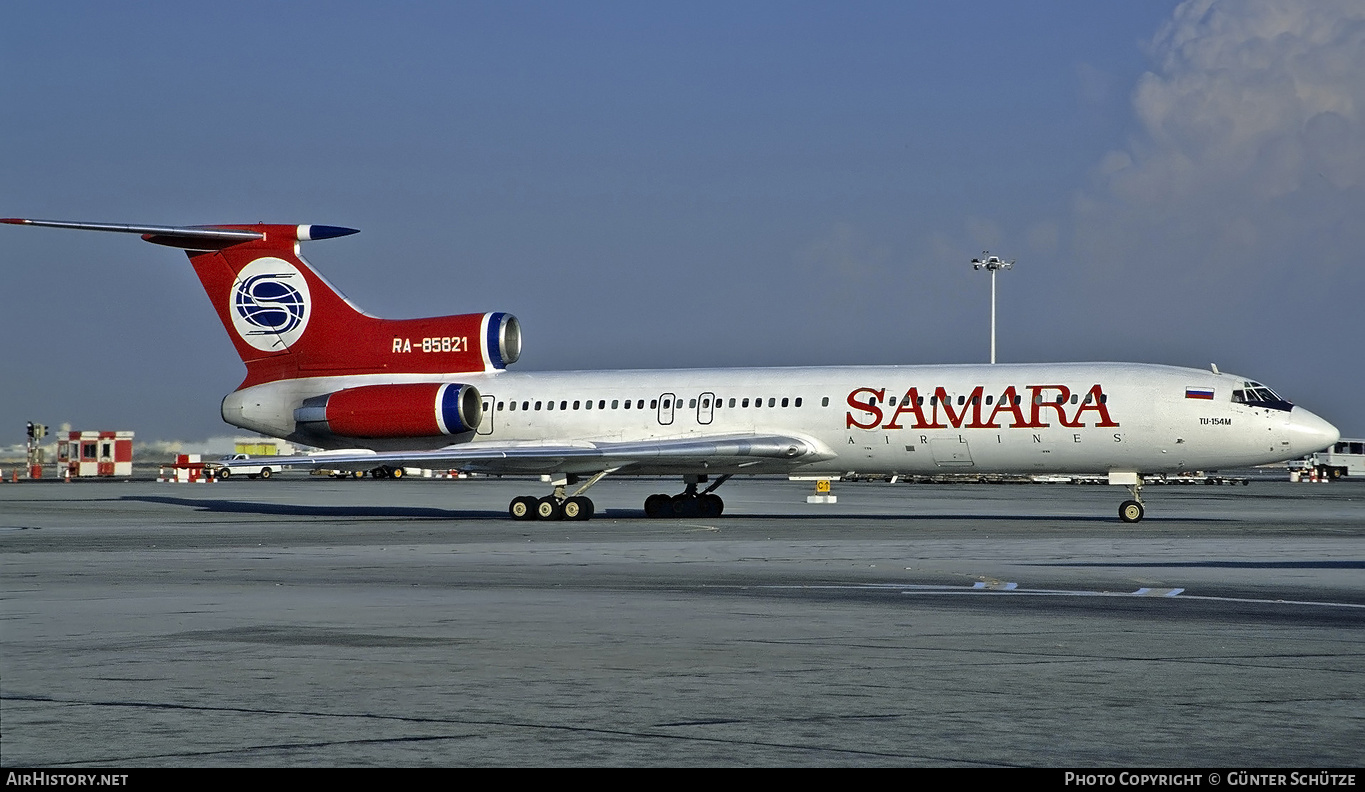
688 503
1131 511
558 505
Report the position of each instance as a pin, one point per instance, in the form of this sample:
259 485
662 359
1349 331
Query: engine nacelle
424 409
502 342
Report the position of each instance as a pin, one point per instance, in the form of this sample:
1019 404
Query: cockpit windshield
1254 394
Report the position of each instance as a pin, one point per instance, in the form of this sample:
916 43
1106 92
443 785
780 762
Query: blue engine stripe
450 409
494 348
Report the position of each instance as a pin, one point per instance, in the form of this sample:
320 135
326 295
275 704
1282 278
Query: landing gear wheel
710 505
547 508
1131 511
265 473
658 506
685 505
577 508
523 508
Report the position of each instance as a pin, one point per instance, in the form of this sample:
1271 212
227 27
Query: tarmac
316 622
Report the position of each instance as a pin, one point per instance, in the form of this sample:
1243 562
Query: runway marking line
1000 588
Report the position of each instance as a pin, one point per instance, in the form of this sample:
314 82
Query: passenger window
691 404
1074 398
784 401
653 404
537 405
549 405
746 403
627 404
499 406
989 399
771 401
824 401
563 405
732 402
1104 398
891 401
798 401
525 405
512 406
601 404
961 400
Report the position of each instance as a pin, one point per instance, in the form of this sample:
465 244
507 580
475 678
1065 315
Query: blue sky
651 185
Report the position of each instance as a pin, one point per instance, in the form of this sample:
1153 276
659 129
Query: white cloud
1256 96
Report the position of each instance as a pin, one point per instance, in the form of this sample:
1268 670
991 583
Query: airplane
378 395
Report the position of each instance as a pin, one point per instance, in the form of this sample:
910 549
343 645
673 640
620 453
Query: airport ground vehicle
434 393
1344 459
241 465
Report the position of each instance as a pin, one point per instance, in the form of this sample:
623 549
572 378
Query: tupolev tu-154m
382 394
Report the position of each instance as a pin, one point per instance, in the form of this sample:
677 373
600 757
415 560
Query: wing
720 453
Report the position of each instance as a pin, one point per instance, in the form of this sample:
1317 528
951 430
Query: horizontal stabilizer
197 237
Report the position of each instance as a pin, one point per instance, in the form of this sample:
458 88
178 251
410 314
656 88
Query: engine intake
425 409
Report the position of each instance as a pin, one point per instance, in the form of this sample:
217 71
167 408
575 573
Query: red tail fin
288 322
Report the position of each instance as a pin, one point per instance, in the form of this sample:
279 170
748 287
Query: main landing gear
688 503
1131 511
558 505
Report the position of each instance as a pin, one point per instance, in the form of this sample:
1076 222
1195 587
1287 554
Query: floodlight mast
991 264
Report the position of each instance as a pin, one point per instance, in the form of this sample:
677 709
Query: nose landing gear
1131 511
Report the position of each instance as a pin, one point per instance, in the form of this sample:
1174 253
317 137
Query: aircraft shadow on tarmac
1214 564
426 513
301 510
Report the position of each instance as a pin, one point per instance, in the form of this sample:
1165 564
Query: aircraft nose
1309 433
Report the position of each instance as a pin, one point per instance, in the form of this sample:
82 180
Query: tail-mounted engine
425 409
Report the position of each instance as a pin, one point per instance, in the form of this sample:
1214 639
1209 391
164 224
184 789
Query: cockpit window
1254 394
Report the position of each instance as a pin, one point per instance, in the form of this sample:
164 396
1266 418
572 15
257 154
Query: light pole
991 263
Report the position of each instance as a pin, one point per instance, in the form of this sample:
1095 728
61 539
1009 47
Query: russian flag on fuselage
1199 393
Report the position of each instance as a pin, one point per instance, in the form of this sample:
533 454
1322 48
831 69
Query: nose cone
1309 433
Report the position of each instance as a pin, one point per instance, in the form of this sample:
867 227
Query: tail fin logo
269 304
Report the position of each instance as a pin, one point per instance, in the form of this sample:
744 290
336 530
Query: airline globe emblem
269 304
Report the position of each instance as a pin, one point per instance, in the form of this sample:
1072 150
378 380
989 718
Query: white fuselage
1111 416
